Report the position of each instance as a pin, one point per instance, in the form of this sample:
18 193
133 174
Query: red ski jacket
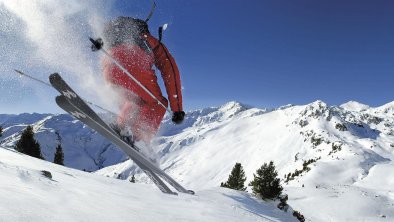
138 57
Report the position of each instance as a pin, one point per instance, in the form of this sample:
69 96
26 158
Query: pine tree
28 145
59 156
132 179
1 131
265 183
236 179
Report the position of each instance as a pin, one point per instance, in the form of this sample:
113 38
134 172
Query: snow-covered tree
265 182
28 145
236 179
59 155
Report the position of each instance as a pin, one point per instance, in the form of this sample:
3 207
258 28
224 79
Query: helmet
125 30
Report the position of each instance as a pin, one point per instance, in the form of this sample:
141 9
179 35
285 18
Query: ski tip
53 77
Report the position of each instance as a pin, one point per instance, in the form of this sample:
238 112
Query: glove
177 117
97 44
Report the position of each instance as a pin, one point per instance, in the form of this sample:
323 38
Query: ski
78 107
67 106
60 85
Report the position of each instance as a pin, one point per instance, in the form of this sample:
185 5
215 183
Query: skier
129 41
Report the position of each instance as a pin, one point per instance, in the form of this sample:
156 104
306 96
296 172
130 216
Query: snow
380 178
353 146
201 153
354 106
73 195
386 109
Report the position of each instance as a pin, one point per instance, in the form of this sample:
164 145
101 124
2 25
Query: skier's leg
129 114
149 119
145 128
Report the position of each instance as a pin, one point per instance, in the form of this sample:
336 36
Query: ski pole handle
96 44
160 33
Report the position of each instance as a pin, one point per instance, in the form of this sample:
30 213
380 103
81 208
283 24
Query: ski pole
33 78
98 46
151 12
47 84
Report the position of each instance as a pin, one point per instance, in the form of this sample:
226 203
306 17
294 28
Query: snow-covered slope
72 195
344 150
336 162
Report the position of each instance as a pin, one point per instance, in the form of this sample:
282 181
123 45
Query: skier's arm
169 72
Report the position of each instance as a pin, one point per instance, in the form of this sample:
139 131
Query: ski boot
124 134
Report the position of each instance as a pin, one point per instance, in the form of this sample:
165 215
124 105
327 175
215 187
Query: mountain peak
354 106
315 109
387 108
319 103
387 105
234 105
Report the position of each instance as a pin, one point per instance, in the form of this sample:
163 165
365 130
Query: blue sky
272 53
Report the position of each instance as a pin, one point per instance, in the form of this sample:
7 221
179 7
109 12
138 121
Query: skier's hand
177 117
97 44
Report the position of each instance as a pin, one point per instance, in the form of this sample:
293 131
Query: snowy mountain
336 162
84 149
340 158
